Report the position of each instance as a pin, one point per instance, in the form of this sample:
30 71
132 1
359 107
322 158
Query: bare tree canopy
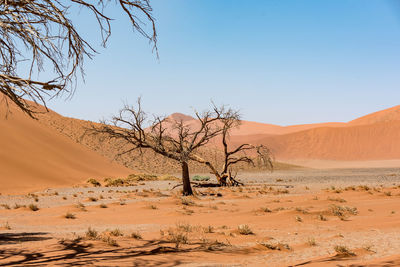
38 34
180 141
259 155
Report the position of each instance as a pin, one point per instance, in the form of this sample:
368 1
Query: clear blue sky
281 62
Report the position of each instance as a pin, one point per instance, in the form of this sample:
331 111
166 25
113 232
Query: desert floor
348 217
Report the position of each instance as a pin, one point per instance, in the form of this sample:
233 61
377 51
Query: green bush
200 178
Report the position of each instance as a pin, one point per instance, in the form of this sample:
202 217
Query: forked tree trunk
187 188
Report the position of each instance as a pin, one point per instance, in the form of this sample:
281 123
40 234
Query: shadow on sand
78 252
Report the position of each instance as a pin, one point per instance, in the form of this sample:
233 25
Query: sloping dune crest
372 137
33 156
386 115
379 141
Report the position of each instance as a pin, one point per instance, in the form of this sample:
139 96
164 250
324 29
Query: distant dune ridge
372 137
57 151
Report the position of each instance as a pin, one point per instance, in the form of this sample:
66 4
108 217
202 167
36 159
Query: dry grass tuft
110 241
91 234
94 182
322 217
344 251
116 232
311 242
275 245
208 229
341 200
244 229
298 219
6 206
187 201
6 226
136 235
81 206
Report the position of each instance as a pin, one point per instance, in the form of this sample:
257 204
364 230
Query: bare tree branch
40 33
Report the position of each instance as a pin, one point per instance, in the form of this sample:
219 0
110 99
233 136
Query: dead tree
173 139
259 155
39 36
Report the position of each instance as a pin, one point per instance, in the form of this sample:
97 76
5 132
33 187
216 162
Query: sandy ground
348 217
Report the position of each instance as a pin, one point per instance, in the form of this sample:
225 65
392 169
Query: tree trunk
187 188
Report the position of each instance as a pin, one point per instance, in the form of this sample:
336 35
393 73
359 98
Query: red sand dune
251 128
390 114
372 137
33 156
379 141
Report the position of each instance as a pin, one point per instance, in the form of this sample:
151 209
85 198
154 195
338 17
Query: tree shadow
14 238
77 252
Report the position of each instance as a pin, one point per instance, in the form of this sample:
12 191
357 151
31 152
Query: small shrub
6 206
153 207
91 234
185 227
17 206
364 188
322 217
369 248
80 206
298 219
136 235
109 241
116 232
388 193
209 229
93 199
342 211
177 237
299 209
187 201
282 191
353 188
69 216
311 242
114 182
33 207
341 200
7 226
244 229
276 246
94 182
103 206
265 209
